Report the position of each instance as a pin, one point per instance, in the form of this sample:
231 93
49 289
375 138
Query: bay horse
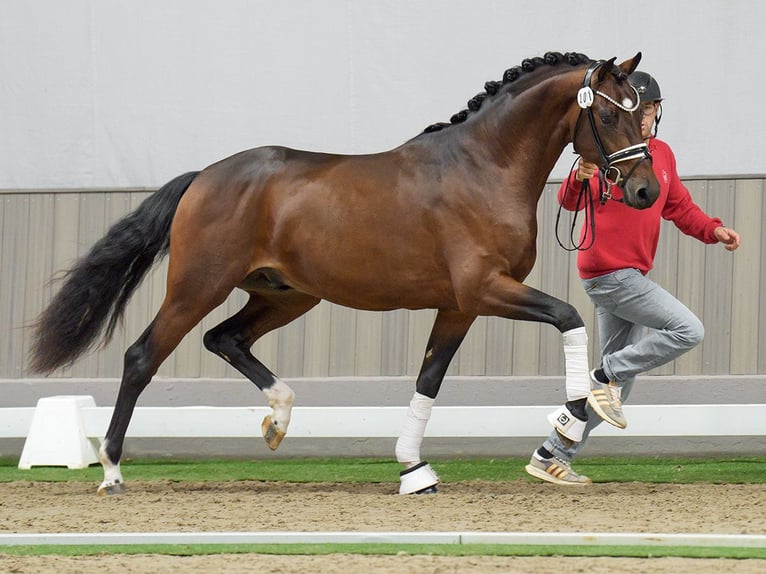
445 221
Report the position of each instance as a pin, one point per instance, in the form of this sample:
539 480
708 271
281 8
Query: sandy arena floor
468 506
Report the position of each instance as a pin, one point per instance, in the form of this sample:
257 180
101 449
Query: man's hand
728 237
585 170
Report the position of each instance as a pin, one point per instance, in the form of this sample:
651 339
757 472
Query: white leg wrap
408 445
576 358
567 424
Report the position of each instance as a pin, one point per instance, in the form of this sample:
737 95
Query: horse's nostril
642 194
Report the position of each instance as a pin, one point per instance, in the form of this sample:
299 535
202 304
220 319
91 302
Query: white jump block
57 434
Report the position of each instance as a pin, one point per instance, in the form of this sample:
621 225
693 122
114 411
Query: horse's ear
605 69
629 66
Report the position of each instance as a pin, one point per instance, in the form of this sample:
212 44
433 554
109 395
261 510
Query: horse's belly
370 290
384 294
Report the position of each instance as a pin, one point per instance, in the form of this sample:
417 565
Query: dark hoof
111 489
428 490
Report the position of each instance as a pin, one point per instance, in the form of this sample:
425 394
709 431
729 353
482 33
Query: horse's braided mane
512 74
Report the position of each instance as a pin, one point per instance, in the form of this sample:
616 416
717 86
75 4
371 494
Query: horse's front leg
448 332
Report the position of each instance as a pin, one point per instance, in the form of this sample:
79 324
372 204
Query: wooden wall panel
43 232
746 285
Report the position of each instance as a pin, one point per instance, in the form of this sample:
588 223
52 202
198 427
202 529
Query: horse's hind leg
447 334
232 339
181 310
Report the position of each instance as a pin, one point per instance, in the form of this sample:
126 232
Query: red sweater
627 237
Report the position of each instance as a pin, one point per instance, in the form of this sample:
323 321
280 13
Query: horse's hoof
429 490
271 434
115 488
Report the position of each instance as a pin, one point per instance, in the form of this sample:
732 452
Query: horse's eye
607 117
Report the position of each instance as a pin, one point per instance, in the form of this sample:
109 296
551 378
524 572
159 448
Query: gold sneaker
555 471
604 398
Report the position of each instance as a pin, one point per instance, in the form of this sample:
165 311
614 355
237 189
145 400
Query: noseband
585 98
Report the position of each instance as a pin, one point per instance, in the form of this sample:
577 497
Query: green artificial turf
734 470
389 549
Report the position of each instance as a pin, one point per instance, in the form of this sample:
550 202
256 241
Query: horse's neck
530 131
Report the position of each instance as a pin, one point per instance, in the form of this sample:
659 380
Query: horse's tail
100 284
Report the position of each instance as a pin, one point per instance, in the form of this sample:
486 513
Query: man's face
648 115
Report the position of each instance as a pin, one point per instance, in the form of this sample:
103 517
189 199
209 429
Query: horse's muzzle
641 192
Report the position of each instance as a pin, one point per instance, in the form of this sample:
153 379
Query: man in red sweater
641 326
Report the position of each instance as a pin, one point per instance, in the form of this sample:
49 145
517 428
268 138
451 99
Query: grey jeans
640 326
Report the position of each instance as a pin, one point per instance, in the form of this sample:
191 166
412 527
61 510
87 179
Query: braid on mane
491 88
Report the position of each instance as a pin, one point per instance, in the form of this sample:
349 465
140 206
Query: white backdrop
108 93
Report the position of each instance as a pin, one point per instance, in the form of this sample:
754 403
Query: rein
585 98
584 198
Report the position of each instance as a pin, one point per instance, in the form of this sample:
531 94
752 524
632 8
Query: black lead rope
584 200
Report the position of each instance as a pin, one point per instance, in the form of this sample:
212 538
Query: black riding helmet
648 91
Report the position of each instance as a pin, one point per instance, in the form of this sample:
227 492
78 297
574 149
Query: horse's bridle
585 98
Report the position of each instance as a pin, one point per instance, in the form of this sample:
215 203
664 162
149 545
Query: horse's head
607 131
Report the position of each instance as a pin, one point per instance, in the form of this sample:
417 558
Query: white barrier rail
339 422
376 537
57 422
